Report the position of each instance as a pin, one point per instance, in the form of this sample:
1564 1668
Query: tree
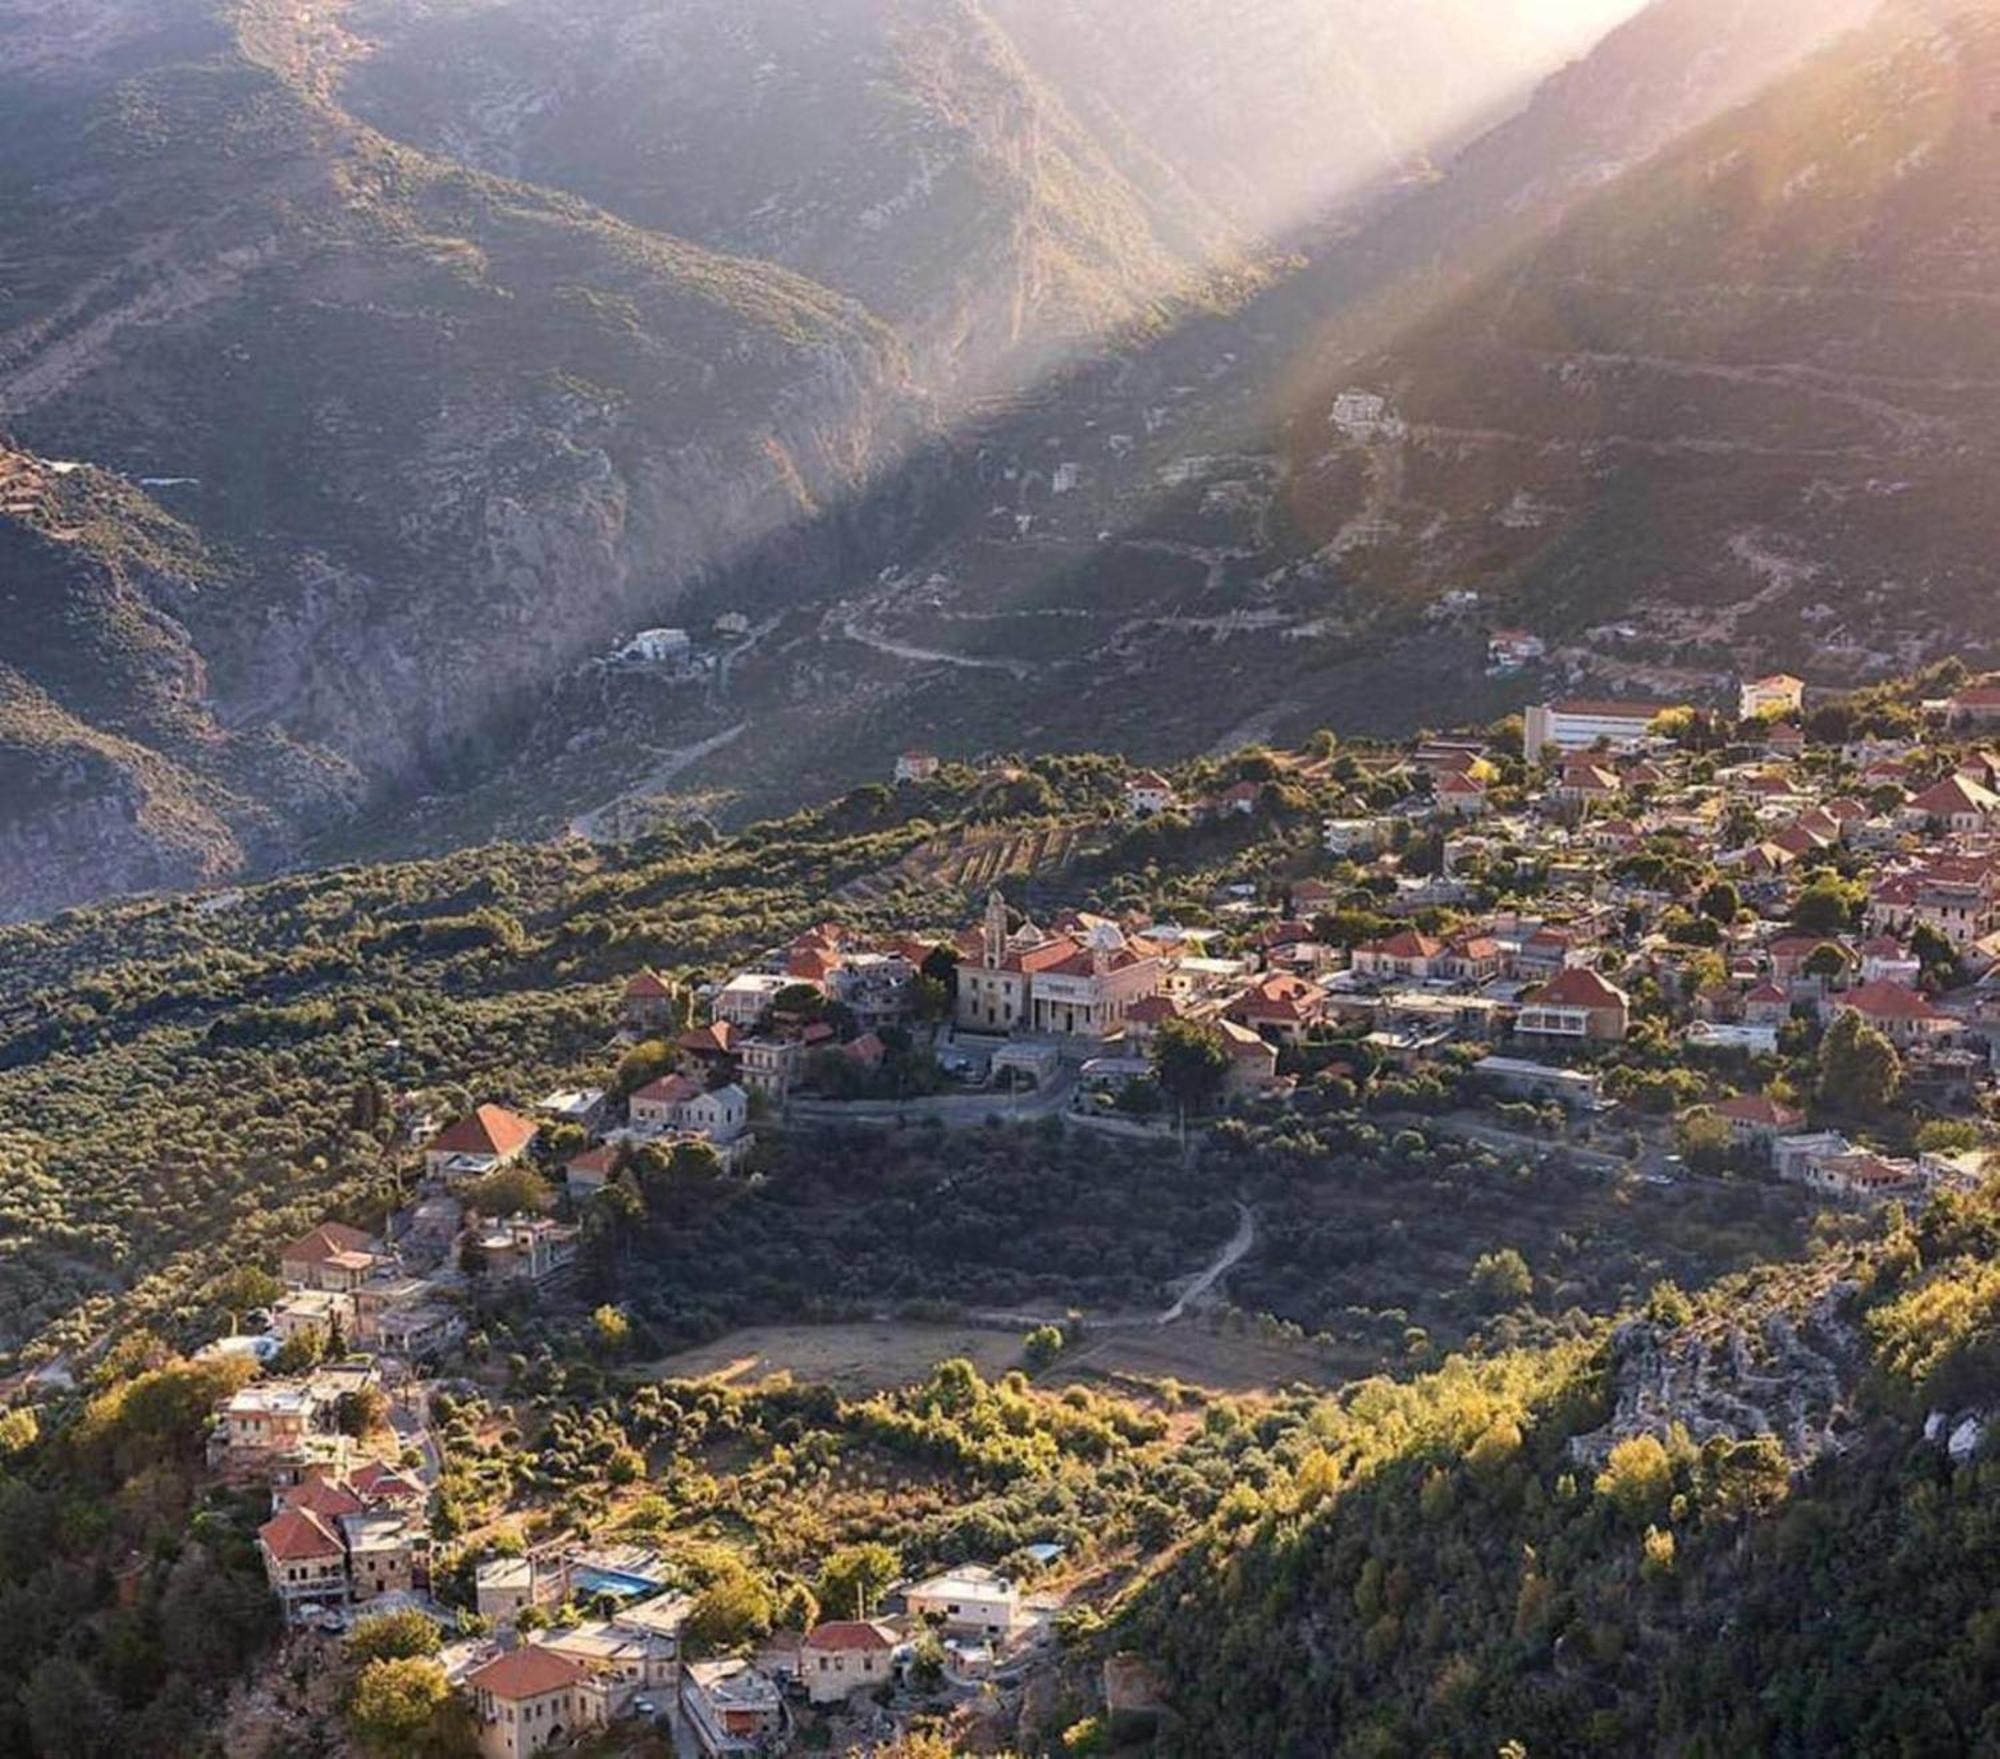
361 1412
1704 1139
1720 901
854 1578
1042 1346
509 1191
611 1331
393 1636
1935 953
1824 907
734 1608
1859 1070
1191 1063
244 1289
1501 1280
1826 962
397 1704
1638 1477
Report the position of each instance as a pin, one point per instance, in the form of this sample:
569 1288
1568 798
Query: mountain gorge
953 350
467 340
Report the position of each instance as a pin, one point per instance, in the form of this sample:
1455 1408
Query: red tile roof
1578 987
1883 1000
491 1129
1758 1108
327 1241
528 1672
321 1496
850 1635
646 986
297 1535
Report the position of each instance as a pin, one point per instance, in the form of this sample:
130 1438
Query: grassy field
873 1357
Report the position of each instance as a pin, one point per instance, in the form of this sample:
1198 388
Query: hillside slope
453 433
478 336
1740 400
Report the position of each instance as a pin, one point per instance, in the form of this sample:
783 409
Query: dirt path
1227 1260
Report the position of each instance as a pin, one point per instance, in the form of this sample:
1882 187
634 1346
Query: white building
969 1600
658 647
1579 724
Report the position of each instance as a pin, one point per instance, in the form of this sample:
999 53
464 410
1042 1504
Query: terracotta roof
295 1535
850 1635
321 1496
527 1672
325 1242
1149 779
597 1160
1579 987
1408 943
1149 1010
383 1483
1955 795
1757 1108
647 986
1883 1000
668 1090
718 1035
491 1129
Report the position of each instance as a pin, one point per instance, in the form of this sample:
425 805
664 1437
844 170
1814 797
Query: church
1065 985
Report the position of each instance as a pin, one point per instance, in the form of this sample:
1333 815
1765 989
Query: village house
1407 955
1756 1121
731 1707
332 1542
747 997
304 1562
1779 694
625 1661
333 1258
529 1249
659 1105
1280 1007
916 766
586 1174
1148 794
650 1003
1958 803
1509 650
492 1137
531 1699
769 1065
838 1660
1353 838
1578 1006
969 1601
1903 1016
1976 705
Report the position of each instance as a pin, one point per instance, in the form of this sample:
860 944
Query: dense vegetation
1453 1578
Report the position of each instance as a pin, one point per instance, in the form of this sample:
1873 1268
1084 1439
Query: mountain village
1711 945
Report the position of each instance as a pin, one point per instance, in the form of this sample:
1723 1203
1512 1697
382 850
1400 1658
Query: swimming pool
587 1582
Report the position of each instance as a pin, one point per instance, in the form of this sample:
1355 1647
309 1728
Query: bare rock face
1788 1375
